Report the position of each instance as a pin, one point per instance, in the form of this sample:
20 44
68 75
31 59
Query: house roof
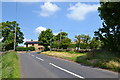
32 42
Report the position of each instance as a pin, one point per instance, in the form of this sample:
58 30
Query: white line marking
39 58
66 71
32 55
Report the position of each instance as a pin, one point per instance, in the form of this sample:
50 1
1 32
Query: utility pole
60 36
50 44
15 29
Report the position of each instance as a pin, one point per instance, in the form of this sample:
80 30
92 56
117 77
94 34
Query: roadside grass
105 60
10 65
65 55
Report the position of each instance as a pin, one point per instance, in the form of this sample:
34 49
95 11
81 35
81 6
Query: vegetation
64 55
45 38
102 59
10 65
61 41
8 33
25 48
82 41
109 34
105 60
95 44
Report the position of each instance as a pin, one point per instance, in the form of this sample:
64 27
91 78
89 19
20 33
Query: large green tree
61 40
8 34
82 41
45 38
95 43
109 34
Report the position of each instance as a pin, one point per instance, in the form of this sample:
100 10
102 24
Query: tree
0 37
95 44
8 34
45 38
109 34
65 42
82 41
61 40
78 40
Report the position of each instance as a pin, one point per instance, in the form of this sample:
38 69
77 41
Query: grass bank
10 65
105 60
64 55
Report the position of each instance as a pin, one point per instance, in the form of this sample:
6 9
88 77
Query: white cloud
25 39
39 29
55 33
80 10
48 9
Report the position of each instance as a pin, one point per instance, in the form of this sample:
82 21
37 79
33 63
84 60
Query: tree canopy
8 34
109 34
45 38
61 40
82 41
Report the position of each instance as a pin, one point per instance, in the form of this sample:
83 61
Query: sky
72 17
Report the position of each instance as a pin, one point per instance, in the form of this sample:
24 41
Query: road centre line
39 58
66 71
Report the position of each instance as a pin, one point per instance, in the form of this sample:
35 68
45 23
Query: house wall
37 47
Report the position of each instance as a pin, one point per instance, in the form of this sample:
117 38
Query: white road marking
66 71
39 58
32 55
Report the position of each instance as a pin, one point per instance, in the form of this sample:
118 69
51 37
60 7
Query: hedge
25 48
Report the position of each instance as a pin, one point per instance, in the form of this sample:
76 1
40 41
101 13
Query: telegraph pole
60 35
50 44
15 29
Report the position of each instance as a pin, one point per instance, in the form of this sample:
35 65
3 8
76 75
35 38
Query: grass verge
10 65
105 60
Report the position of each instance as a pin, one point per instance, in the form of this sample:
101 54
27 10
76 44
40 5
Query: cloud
80 10
55 33
39 29
48 9
25 39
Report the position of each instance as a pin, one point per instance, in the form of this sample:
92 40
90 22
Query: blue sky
72 17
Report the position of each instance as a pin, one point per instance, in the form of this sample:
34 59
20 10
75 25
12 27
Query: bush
72 46
25 48
31 48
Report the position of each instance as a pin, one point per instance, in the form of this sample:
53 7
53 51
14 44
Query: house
36 44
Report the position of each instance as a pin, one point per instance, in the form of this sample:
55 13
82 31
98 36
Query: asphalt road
35 65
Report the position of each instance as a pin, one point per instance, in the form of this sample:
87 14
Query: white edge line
66 71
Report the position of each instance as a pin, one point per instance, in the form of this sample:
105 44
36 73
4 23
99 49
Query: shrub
25 48
31 48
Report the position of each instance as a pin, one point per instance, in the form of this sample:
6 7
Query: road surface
35 65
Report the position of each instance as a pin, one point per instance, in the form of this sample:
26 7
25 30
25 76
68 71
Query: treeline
7 32
61 41
109 34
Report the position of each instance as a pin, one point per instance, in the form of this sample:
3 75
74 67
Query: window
32 44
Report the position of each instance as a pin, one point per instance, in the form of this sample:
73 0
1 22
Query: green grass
105 60
10 65
64 55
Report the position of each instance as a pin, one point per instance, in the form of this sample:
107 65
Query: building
36 44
